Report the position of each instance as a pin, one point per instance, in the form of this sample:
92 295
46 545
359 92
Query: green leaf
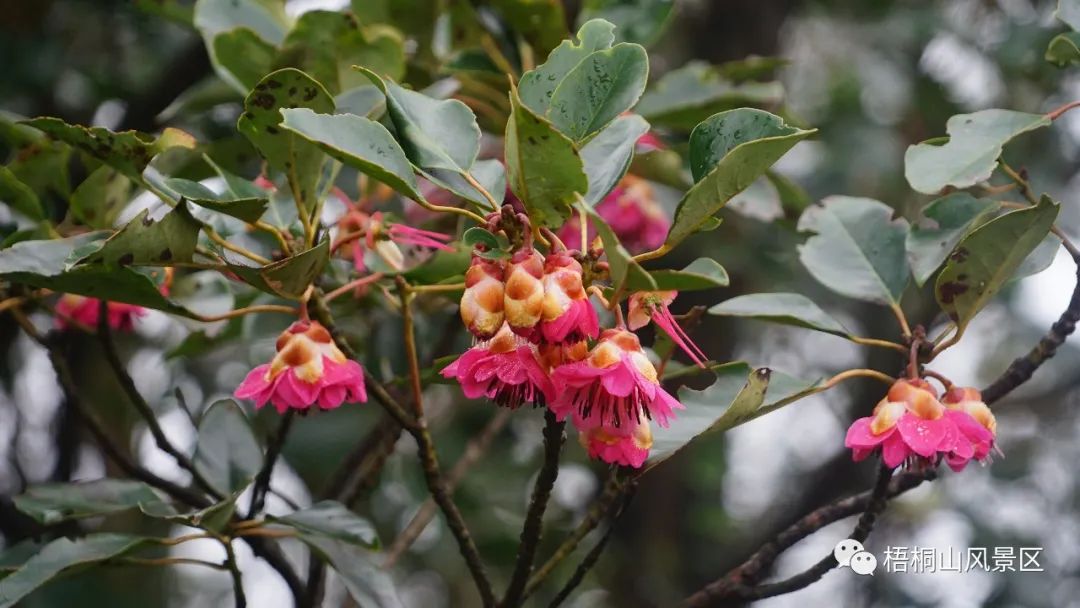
489 173
214 518
358 142
287 278
784 308
19 196
248 209
441 267
365 100
607 156
541 22
300 160
1064 49
98 201
1040 259
702 273
265 19
244 56
640 21
727 153
478 236
971 152
988 257
326 44
542 165
537 86
60 555
857 249
145 241
624 270
952 217
126 151
332 520
365 581
227 453
600 88
53 503
690 94
1068 12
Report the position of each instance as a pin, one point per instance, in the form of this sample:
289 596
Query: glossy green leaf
543 166
601 87
1064 49
243 55
688 95
227 453
299 159
988 257
537 86
60 555
784 308
52 503
541 22
358 142
126 151
702 273
640 21
857 249
366 582
248 209
971 152
287 278
607 156
332 520
19 196
951 217
727 153
100 198
145 241
625 271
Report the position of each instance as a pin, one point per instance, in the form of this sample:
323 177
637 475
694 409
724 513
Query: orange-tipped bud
482 302
523 299
919 396
970 400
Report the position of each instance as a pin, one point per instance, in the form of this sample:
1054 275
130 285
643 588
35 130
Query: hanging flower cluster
910 425
539 341
308 369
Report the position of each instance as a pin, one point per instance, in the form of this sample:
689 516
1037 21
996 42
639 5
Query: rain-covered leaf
951 217
537 86
287 278
602 86
784 308
688 95
624 270
541 22
300 160
244 55
100 198
56 502
248 209
971 151
227 453
358 142
702 273
857 249
640 21
19 196
727 153
60 555
332 520
988 257
146 241
543 166
607 156
358 568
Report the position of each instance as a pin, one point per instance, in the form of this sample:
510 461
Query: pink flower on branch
632 212
84 310
505 369
626 444
653 305
308 369
567 314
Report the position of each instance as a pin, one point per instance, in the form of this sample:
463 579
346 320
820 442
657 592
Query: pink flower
626 444
567 314
384 239
81 309
976 424
633 214
505 369
615 385
307 369
523 295
646 305
482 302
910 422
649 142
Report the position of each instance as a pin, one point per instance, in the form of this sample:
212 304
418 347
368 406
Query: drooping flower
308 369
646 305
384 239
626 444
975 422
505 369
615 386
911 422
632 212
523 296
482 301
567 314
84 310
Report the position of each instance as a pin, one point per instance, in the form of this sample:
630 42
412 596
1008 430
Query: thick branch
554 436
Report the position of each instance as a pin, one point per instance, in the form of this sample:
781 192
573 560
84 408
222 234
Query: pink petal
921 435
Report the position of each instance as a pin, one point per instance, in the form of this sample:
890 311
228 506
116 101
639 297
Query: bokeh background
874 77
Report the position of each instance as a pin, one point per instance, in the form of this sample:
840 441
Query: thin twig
273 450
234 571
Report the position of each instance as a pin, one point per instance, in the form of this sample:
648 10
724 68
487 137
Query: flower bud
523 299
567 314
482 302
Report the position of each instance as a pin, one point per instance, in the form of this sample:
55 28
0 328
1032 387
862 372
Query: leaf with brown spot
143 241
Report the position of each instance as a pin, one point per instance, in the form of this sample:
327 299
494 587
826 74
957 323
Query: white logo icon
850 553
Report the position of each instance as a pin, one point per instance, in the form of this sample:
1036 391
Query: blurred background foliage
873 76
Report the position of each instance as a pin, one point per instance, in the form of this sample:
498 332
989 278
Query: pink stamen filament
663 318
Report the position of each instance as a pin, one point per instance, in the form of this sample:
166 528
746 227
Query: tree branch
554 436
273 450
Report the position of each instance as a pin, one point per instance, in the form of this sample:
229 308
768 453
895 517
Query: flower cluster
534 324
308 369
910 424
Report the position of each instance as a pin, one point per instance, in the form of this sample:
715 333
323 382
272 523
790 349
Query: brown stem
273 450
